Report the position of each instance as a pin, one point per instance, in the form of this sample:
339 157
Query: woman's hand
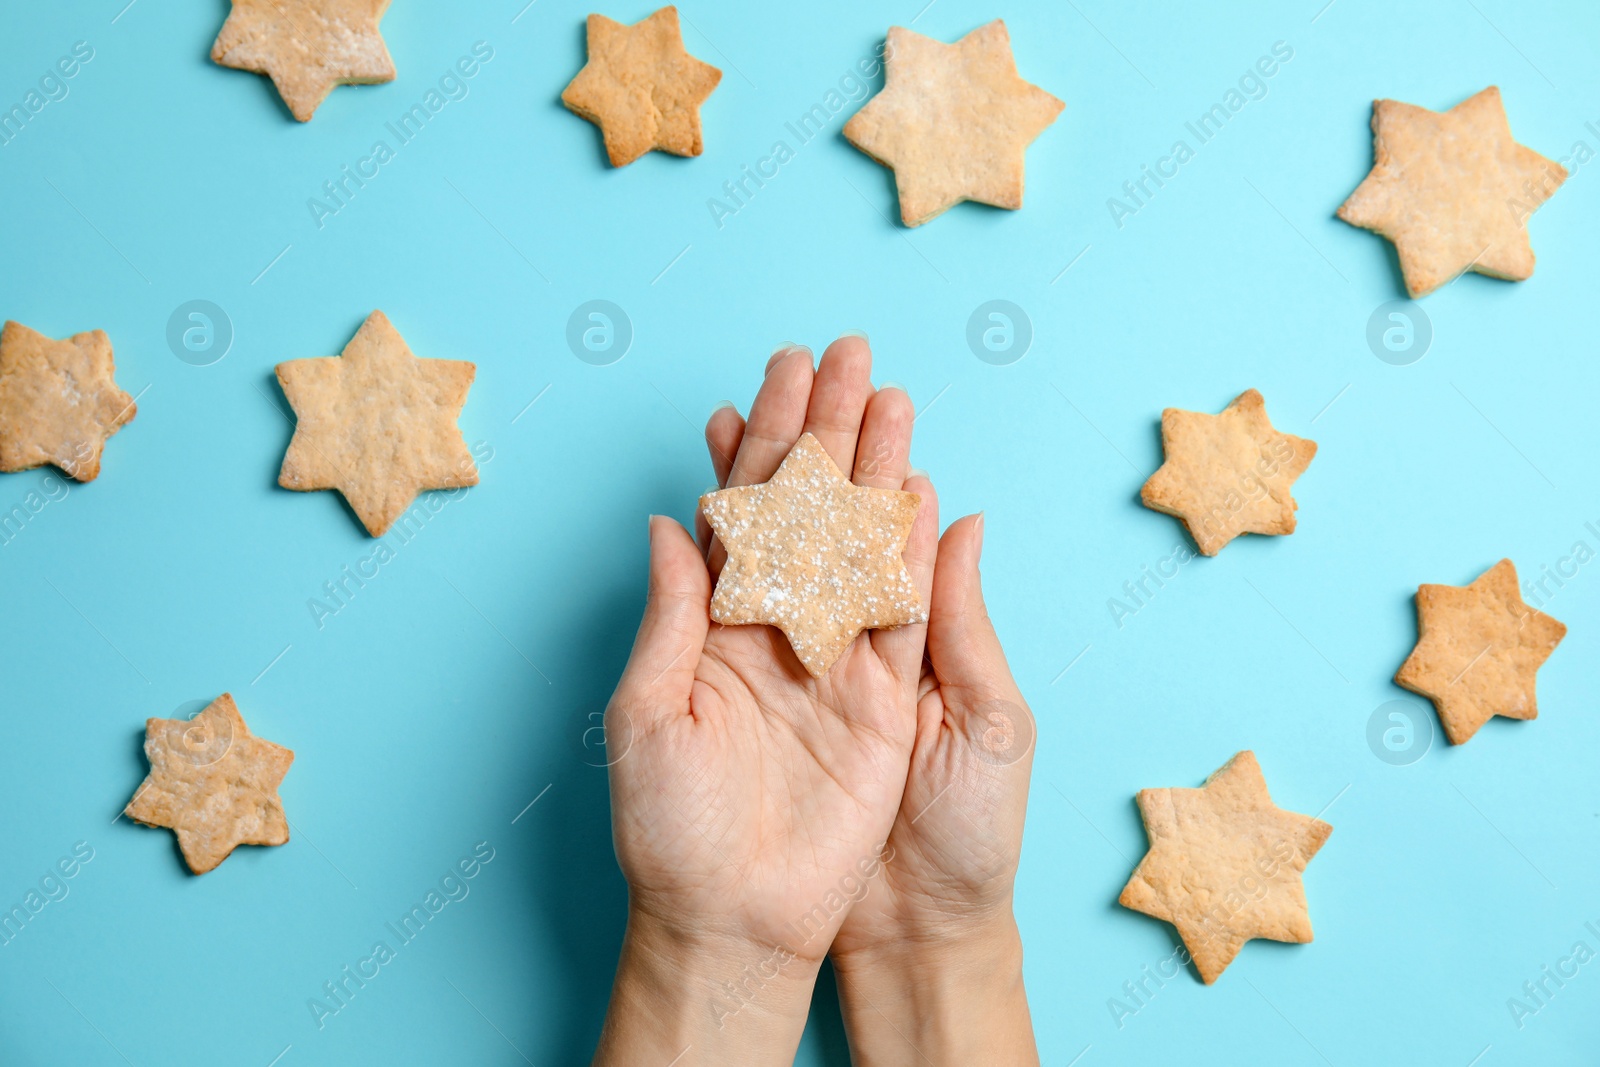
930 962
750 801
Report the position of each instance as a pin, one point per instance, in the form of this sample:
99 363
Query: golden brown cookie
641 87
1478 649
213 783
952 121
1227 474
1452 190
377 423
306 46
1224 865
58 401
814 555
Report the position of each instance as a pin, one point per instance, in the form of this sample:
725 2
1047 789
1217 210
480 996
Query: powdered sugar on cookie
814 555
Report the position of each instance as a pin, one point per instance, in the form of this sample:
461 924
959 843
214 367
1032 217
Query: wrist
711 997
913 925
954 994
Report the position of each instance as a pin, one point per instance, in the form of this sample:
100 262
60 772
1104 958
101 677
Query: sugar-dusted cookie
306 46
641 87
814 555
1478 649
377 423
1452 190
1227 474
1224 864
952 121
58 402
213 783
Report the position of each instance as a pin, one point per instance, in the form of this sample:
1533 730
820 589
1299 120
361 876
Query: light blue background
420 723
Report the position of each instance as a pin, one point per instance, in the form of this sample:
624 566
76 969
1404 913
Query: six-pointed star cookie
814 555
306 46
58 402
1452 190
1478 649
213 783
1224 864
1227 474
952 121
641 87
377 423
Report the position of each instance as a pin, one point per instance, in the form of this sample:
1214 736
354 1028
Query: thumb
963 647
660 671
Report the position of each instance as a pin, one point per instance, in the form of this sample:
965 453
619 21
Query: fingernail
652 522
895 385
977 530
857 333
723 404
783 352
915 472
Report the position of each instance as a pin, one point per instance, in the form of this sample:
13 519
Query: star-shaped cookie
1452 190
1227 474
814 555
952 121
641 87
213 783
1478 649
377 423
1224 865
58 401
306 46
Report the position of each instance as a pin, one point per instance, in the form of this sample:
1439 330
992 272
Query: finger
884 452
702 533
901 648
677 615
724 430
839 398
777 418
778 353
962 644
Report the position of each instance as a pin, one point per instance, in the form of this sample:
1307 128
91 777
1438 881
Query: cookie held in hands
58 401
1224 864
306 46
213 783
641 87
376 423
952 121
1227 474
1452 190
1478 649
816 556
